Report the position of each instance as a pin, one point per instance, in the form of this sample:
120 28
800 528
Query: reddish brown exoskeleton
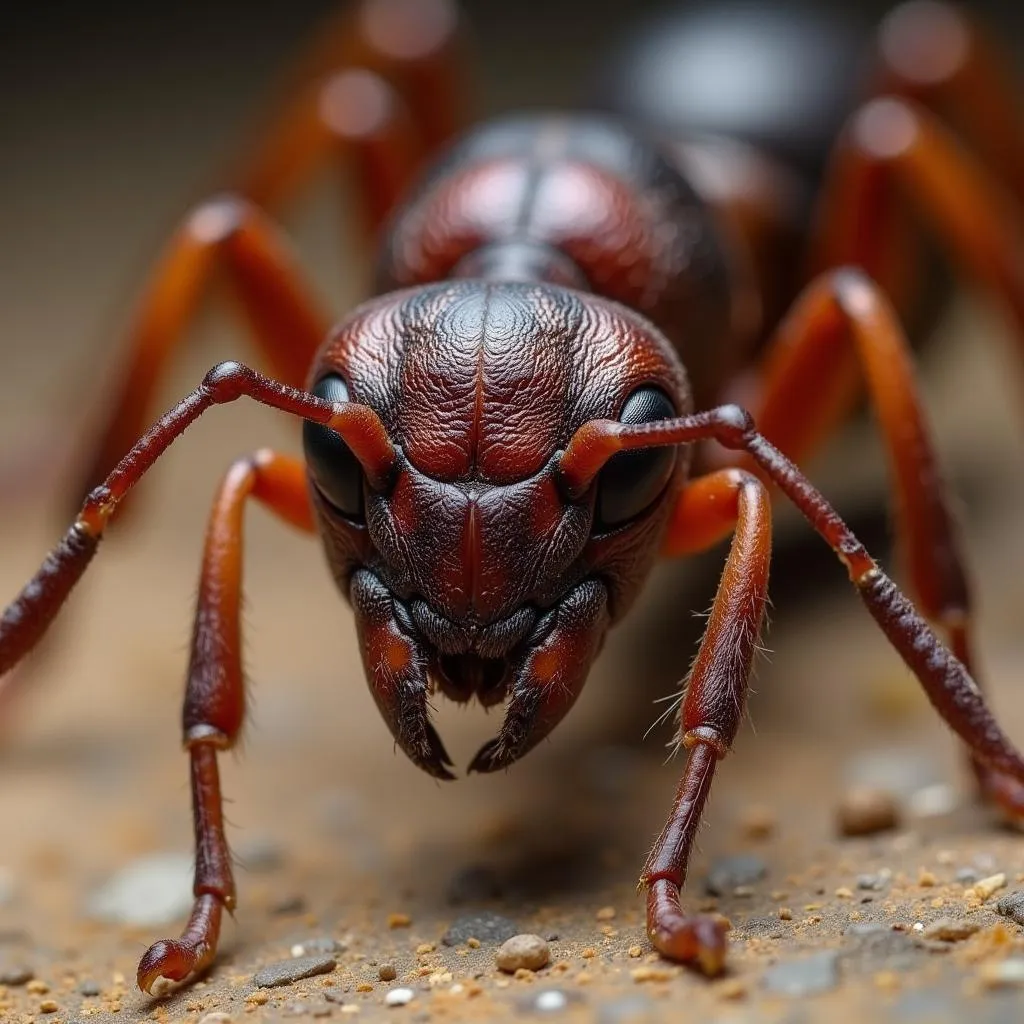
499 446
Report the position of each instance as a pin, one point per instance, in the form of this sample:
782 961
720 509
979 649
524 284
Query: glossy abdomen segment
577 201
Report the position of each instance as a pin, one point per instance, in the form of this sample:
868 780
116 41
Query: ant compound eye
335 470
631 480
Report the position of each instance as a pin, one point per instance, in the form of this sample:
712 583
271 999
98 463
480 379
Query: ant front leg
944 678
840 329
716 694
214 701
30 614
215 697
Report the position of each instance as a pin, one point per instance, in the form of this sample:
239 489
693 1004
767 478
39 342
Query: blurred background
114 118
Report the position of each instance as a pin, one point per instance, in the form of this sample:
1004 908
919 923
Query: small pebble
606 914
900 771
523 951
1012 906
932 801
946 929
89 988
550 1001
985 887
757 822
488 928
874 882
387 972
14 973
49 1006
651 972
399 997
217 1017
865 810
1003 974
320 945
728 873
151 891
399 920
284 972
812 974
927 879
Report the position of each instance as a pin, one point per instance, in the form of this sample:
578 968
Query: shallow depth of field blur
115 119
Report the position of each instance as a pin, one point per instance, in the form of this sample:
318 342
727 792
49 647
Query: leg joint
227 381
707 736
206 735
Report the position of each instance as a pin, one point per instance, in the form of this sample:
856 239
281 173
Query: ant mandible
499 445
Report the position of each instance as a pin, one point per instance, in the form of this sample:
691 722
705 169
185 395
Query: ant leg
716 692
354 116
215 697
226 234
893 149
934 53
418 46
840 328
944 678
385 82
27 618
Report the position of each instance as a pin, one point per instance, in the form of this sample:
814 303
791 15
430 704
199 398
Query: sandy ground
340 833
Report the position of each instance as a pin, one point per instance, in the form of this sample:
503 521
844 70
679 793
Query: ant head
471 566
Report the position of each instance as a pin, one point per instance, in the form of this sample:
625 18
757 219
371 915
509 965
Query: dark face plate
472 572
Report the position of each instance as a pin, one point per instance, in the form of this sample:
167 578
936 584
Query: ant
502 442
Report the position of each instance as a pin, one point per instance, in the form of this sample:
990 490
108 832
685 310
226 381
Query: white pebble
1003 974
153 890
298 949
932 801
551 1001
985 887
399 996
918 926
